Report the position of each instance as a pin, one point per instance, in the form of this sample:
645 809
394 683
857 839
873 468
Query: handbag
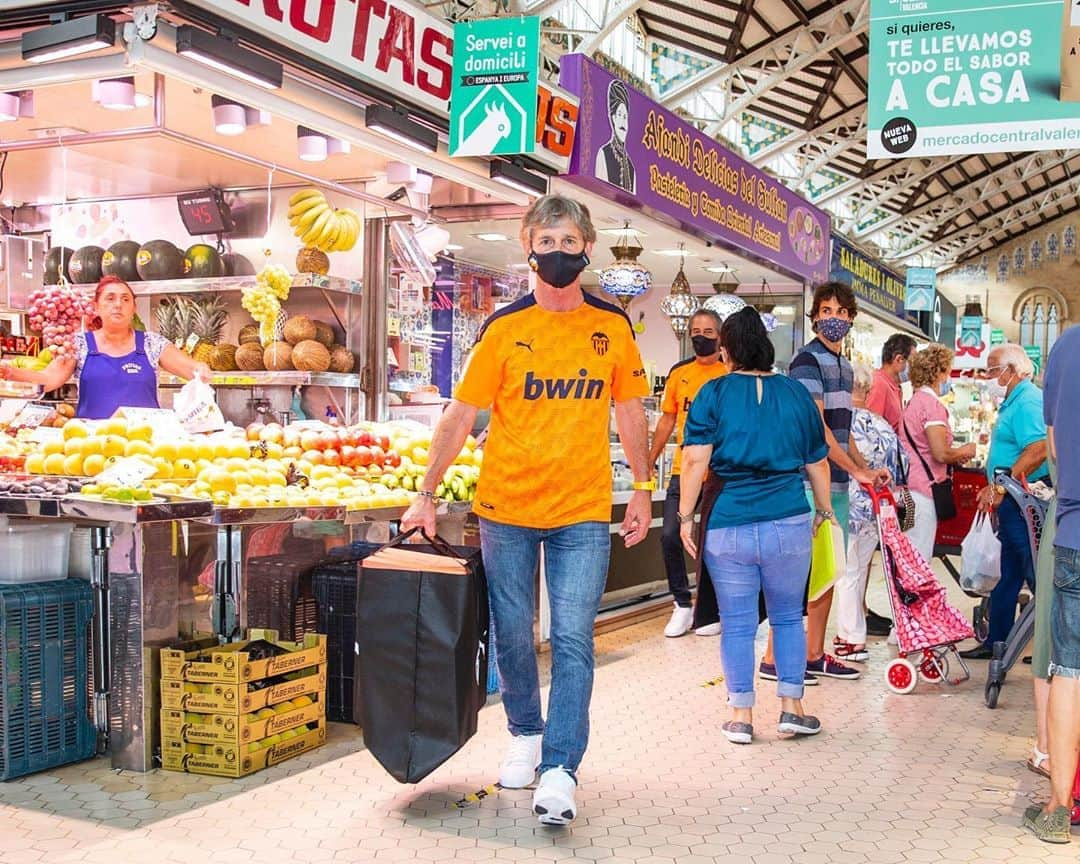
421 646
941 491
905 504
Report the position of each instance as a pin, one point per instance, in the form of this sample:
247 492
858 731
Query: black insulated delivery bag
421 643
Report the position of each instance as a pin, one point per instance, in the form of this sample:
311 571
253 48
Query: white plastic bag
980 557
197 409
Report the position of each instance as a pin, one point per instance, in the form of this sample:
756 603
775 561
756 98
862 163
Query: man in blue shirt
829 377
1017 445
1061 411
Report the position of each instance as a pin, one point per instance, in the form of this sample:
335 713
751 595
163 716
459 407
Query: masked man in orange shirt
549 365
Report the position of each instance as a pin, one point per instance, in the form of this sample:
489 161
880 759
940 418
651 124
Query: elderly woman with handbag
880 448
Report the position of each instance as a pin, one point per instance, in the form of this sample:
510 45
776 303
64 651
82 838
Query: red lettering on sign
397 44
270 7
364 9
325 25
437 85
556 120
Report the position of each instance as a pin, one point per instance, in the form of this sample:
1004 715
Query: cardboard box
187 727
230 663
237 699
228 760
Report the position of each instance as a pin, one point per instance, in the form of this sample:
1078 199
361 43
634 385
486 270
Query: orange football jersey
683 383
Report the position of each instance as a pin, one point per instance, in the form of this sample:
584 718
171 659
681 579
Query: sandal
1035 763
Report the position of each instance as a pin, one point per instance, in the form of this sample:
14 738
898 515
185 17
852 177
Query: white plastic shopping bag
197 409
980 557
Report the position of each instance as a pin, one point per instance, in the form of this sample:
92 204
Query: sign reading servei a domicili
395 45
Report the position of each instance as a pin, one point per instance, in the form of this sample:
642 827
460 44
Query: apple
315 457
272 433
383 441
348 455
393 458
290 438
331 456
364 438
349 436
253 431
363 456
378 456
328 440
293 451
311 439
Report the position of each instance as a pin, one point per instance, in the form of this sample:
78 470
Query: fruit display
85 265
263 300
57 313
159 259
119 260
319 226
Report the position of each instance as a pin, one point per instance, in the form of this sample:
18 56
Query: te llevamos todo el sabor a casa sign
397 47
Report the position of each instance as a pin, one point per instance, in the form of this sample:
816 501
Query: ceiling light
720 268
143 100
452 247
116 94
627 277
312 145
393 124
9 106
680 304
335 146
518 178
491 237
674 253
222 53
230 118
620 232
255 117
77 36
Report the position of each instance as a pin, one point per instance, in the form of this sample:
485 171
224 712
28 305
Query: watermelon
237 265
159 259
53 270
203 261
85 266
119 260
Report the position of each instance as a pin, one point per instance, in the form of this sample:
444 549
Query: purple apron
108 383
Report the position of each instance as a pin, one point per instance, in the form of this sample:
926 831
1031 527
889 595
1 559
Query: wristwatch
686 517
645 485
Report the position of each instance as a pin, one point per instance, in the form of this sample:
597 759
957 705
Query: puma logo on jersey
528 344
581 387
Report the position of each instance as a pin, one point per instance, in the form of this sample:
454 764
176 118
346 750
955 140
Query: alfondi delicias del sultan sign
634 150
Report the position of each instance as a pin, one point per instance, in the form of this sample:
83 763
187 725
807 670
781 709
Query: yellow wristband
645 486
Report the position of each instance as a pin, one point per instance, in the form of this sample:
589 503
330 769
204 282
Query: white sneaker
892 636
709 630
682 619
553 800
521 761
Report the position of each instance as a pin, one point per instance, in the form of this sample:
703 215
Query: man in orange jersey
683 382
549 365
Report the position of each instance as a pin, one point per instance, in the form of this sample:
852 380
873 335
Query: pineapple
208 319
166 315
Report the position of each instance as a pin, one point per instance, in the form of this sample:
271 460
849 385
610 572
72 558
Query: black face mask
703 346
558 269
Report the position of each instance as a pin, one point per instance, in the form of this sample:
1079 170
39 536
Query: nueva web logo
581 387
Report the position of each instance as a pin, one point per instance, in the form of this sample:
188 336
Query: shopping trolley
1033 507
927 626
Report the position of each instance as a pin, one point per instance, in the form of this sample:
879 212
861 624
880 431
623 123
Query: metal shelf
335 284
348 380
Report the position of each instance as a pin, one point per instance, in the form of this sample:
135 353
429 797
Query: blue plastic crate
44 676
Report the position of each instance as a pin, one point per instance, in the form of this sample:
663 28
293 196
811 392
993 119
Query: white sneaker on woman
682 619
521 761
553 800
709 630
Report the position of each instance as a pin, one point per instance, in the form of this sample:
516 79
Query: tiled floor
929 777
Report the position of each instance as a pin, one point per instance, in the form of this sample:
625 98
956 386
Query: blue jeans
1016 569
1065 614
774 557
576 561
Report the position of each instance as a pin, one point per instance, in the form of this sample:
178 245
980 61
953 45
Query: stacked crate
225 714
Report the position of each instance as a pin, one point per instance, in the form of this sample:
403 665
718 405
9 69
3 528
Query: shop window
1041 313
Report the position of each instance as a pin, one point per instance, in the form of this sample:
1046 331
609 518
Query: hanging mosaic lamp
626 278
680 304
725 301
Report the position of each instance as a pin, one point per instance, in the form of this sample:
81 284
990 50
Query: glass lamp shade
627 278
680 304
724 304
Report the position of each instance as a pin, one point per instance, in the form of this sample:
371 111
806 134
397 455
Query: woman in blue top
757 431
116 365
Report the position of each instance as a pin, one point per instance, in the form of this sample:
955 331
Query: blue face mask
945 388
832 329
904 377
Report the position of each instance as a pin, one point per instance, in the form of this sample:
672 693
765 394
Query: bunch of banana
319 225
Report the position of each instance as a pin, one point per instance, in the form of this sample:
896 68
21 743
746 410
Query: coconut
311 356
298 329
249 357
248 333
278 356
223 357
324 333
342 359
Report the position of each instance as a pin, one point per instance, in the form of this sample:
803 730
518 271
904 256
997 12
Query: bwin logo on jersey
582 387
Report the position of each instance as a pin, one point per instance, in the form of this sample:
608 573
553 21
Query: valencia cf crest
600 343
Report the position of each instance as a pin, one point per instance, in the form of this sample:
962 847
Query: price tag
131 471
31 416
393 326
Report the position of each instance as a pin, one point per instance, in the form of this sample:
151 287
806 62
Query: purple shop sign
631 149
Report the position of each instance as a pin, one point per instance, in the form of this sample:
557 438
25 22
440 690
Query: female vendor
116 366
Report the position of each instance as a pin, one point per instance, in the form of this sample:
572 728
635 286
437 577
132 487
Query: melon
249 356
248 333
237 265
310 260
159 259
342 359
119 260
203 261
223 357
85 265
299 329
56 264
324 333
278 356
310 356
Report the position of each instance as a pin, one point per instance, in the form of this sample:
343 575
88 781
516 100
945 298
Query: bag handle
926 468
437 543
902 473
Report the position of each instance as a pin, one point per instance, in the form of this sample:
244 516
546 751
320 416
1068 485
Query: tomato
363 456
